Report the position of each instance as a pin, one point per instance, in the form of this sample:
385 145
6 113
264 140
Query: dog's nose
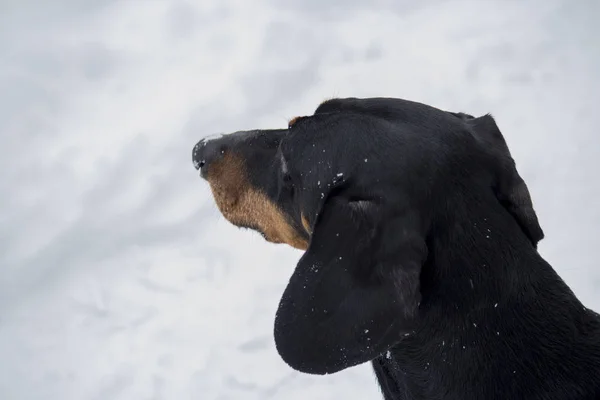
205 152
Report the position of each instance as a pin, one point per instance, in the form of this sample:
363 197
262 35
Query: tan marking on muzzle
243 205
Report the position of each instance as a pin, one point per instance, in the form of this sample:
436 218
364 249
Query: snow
120 280
214 136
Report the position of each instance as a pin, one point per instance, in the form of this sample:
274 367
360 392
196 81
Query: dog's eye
286 177
287 181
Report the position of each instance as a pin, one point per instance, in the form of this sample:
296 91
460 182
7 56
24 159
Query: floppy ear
514 196
511 190
355 291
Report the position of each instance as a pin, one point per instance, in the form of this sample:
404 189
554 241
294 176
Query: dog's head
357 185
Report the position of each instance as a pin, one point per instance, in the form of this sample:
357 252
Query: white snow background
120 280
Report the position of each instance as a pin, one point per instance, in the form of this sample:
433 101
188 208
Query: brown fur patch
306 224
292 121
243 205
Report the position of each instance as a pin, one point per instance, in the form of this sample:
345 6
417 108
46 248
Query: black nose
205 152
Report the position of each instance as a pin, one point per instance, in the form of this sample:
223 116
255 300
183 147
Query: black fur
422 257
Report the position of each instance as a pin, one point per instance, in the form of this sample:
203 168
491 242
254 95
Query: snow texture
120 280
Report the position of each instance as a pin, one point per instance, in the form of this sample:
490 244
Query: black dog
420 239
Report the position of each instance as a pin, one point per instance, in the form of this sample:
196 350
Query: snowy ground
119 278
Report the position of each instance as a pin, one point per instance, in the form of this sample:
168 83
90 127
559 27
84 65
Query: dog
420 252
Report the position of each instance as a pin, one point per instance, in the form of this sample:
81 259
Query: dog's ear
511 190
355 292
514 195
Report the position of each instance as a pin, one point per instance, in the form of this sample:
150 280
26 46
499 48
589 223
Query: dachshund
419 242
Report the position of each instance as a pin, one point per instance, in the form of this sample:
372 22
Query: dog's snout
205 152
197 156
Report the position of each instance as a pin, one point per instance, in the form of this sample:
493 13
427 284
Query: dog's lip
202 172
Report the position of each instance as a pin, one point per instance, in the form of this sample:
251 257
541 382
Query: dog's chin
259 231
291 236
252 228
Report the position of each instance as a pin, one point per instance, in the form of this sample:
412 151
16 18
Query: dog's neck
490 302
480 255
484 287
